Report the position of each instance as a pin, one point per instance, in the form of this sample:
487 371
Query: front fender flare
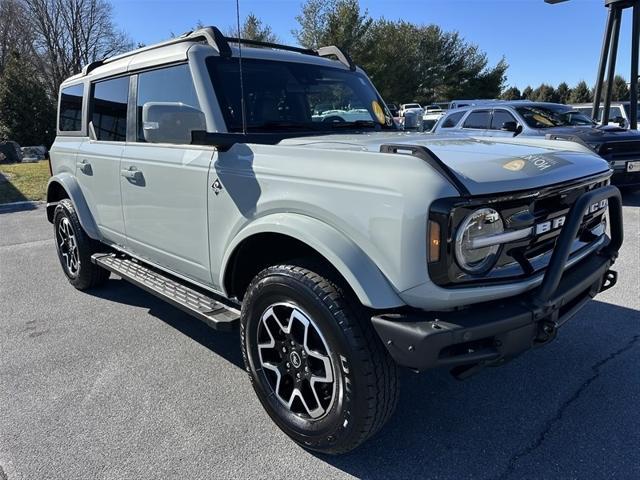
69 183
364 277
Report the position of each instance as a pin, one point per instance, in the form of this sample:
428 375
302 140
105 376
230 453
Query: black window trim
446 118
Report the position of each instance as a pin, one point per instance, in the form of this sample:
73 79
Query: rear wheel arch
292 237
64 185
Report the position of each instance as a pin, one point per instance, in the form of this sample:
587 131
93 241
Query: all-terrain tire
75 248
365 384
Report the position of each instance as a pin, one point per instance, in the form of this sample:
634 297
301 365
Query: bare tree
72 33
15 34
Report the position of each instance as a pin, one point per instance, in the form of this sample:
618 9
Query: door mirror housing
509 127
620 121
171 122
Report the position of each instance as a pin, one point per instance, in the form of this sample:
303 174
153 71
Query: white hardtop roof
176 50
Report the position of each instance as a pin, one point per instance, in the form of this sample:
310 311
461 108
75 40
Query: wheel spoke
300 365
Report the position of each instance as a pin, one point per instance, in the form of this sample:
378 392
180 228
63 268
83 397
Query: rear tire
75 248
314 360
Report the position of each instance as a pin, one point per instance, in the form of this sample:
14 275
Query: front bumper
493 332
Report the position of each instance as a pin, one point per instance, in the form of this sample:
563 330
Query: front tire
314 360
75 248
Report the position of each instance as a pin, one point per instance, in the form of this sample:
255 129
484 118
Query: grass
23 181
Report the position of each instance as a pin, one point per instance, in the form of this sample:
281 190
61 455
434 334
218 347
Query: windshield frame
293 127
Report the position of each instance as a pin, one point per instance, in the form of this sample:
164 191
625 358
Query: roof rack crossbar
278 46
212 35
338 53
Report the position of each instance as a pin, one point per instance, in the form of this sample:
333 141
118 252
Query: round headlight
481 223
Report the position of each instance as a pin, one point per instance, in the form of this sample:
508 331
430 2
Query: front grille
626 150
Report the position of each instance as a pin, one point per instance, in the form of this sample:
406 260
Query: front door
164 179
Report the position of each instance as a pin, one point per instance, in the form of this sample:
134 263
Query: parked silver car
342 249
620 147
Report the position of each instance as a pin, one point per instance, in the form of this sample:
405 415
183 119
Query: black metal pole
613 54
606 41
635 50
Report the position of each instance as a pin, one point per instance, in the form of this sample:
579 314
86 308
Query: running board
172 290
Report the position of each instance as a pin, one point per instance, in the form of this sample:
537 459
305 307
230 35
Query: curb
20 206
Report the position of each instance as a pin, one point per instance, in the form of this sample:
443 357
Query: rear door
477 123
98 160
164 179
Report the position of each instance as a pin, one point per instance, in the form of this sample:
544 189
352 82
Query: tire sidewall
338 422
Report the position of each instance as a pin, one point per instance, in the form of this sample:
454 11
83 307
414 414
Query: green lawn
23 181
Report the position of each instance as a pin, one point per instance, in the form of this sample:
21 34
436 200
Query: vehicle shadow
225 344
486 426
631 199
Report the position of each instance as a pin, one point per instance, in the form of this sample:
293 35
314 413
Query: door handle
132 174
84 166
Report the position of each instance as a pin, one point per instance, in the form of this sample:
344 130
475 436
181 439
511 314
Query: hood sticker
533 165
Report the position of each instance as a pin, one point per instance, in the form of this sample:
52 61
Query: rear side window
163 91
500 117
109 109
70 119
452 120
478 119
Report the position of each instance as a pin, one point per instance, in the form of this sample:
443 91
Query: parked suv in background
618 113
342 249
620 147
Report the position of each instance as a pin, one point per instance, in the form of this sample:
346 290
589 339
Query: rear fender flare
70 185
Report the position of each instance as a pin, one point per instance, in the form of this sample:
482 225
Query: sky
541 42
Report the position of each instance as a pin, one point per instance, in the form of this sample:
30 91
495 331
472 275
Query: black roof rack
214 37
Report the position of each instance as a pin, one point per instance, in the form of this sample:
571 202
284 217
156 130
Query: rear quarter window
70 112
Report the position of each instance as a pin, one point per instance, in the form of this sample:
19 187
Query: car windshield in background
546 116
287 96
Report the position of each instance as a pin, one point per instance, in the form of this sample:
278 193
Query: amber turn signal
434 241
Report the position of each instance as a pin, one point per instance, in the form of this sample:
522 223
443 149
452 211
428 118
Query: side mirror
170 122
509 127
620 121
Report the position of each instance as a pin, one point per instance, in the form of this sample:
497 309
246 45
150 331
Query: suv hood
595 135
484 166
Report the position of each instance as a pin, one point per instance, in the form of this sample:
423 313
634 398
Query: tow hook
546 332
609 280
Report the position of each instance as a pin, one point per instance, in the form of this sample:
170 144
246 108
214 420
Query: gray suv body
342 246
619 146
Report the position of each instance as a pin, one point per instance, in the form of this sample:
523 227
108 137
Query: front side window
548 116
478 119
288 96
167 106
109 109
452 120
499 118
70 119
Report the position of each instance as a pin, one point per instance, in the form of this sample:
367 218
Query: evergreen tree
511 93
563 92
527 93
544 93
620 90
581 93
27 114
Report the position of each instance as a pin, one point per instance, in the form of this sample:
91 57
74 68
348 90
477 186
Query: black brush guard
493 332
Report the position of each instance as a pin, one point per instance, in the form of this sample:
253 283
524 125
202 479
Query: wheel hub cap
295 358
68 246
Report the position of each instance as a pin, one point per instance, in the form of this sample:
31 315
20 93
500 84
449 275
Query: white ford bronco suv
343 247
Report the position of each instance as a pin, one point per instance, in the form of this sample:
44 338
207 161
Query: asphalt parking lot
116 384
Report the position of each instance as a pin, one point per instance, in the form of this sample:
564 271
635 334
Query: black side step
196 303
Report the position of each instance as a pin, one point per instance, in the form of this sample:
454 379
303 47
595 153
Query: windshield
285 96
548 116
